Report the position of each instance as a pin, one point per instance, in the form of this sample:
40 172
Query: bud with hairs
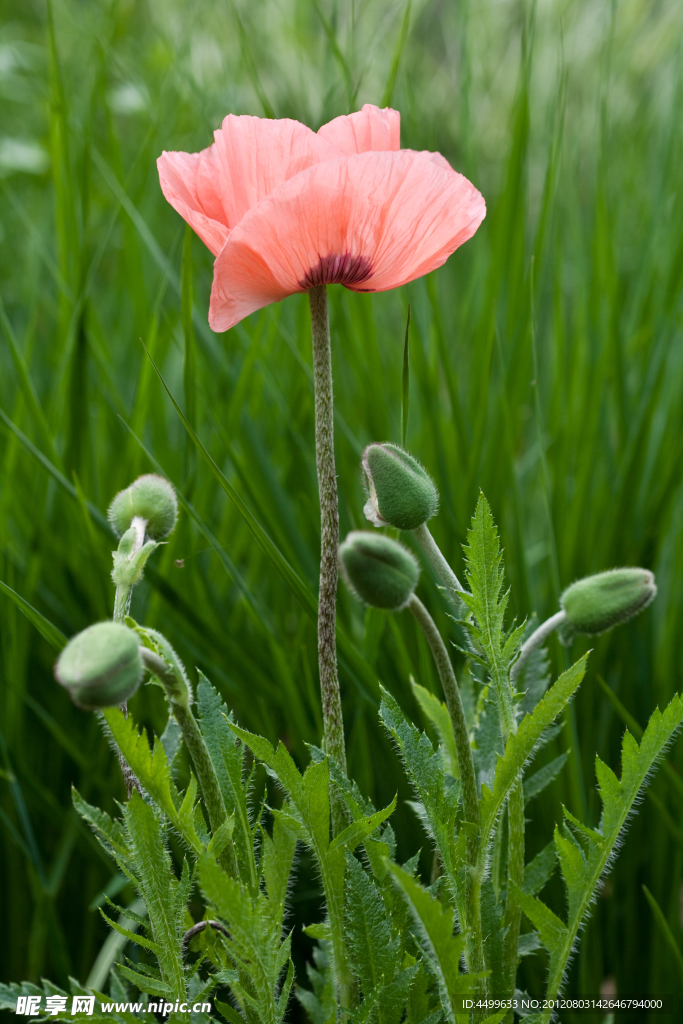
598 603
101 666
379 571
402 494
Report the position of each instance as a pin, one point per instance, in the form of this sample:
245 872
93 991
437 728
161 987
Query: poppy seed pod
151 498
101 666
402 494
380 571
597 603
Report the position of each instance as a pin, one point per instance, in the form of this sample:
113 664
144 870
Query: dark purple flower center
335 269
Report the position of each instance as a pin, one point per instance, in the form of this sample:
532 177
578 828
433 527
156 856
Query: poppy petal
255 155
372 221
367 129
191 193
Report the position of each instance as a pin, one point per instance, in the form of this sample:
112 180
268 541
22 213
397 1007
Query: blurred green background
546 369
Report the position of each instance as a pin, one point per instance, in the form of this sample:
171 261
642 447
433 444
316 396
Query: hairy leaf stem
534 642
179 696
333 724
468 780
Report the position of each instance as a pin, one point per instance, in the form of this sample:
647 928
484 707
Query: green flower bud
597 603
101 666
151 498
380 571
402 494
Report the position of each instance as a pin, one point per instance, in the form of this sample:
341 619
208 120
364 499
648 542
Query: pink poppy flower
283 208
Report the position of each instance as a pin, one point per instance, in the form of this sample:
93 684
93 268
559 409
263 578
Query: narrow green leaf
274 555
280 761
393 73
537 782
663 926
47 630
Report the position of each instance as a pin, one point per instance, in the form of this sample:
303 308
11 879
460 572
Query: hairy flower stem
433 553
468 780
122 601
124 592
179 699
538 637
333 724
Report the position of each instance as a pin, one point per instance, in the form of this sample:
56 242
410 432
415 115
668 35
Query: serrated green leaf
371 948
158 889
424 766
437 712
552 930
573 868
280 761
227 758
283 998
229 1012
583 867
146 984
276 865
528 943
358 831
151 768
441 947
485 575
111 833
139 940
520 746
